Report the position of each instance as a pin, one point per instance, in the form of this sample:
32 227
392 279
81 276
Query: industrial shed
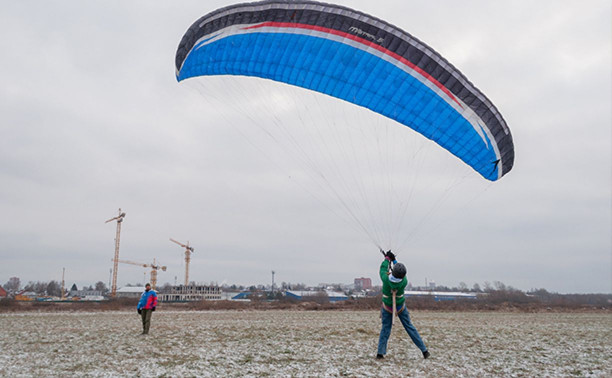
332 296
440 295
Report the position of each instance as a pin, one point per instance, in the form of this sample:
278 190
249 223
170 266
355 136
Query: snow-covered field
303 343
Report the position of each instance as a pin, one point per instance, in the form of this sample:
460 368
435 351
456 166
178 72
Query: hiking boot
426 354
380 356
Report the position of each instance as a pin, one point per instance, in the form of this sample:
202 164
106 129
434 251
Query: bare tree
487 287
101 286
166 288
38 287
476 288
41 287
12 285
54 289
462 286
500 286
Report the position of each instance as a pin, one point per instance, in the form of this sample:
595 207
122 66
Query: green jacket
388 286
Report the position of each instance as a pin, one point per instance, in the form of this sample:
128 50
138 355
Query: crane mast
187 261
119 219
188 252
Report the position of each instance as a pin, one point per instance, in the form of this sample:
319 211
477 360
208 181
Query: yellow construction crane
154 268
119 219
188 252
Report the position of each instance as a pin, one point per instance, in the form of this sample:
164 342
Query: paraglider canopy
358 58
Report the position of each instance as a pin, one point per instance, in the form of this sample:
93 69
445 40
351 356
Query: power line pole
63 271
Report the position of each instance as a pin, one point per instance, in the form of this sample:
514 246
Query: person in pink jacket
146 306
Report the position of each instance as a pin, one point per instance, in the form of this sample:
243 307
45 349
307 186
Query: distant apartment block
363 283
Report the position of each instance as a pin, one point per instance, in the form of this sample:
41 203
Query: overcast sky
92 119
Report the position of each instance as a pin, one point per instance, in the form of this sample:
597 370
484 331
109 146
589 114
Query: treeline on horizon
496 297
496 301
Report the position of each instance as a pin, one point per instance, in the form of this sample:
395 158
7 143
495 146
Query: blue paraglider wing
357 58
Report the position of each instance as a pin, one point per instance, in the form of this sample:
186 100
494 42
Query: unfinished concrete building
187 293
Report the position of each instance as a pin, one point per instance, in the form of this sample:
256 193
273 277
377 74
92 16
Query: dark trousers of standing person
146 320
385 332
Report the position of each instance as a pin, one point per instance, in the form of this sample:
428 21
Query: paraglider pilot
146 306
393 293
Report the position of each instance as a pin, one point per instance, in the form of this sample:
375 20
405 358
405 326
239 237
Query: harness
389 309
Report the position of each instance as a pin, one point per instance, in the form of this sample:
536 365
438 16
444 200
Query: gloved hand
139 311
390 256
153 309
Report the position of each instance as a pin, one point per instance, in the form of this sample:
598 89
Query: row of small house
73 294
189 293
